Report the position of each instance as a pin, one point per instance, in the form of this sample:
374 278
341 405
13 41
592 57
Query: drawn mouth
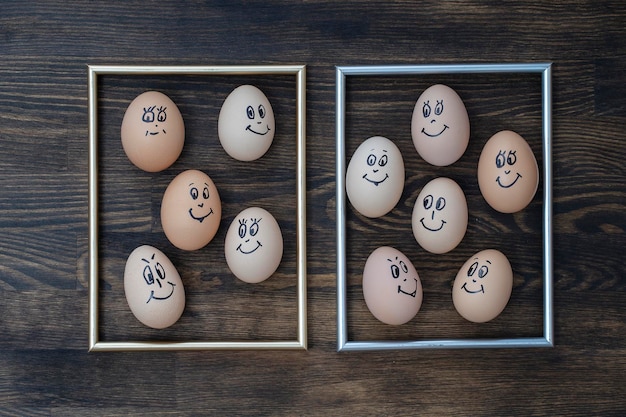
412 294
511 184
432 230
200 219
435 135
257 133
153 133
473 292
152 297
244 252
375 182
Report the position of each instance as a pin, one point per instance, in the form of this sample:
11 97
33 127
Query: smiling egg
153 131
246 125
440 215
153 288
191 210
375 177
483 286
508 174
253 245
391 287
440 126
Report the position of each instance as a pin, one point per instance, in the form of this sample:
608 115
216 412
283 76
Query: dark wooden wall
45 368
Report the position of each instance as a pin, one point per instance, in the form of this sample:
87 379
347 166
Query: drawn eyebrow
489 262
191 183
146 261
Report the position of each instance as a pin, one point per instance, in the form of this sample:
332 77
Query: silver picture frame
545 340
300 343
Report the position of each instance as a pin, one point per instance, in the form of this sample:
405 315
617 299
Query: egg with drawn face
253 245
153 131
440 216
440 126
153 288
246 123
375 177
191 210
508 174
391 286
483 286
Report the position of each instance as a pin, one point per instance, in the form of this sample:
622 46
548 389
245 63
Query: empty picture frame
299 72
544 340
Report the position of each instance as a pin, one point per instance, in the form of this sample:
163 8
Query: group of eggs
508 178
153 135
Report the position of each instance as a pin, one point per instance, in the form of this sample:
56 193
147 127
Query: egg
375 177
440 125
246 124
508 174
483 286
153 288
191 210
153 131
254 245
440 215
391 286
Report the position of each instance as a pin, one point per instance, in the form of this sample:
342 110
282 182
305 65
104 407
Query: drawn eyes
148 275
243 228
429 200
438 108
149 116
195 193
395 269
371 160
481 272
250 112
502 159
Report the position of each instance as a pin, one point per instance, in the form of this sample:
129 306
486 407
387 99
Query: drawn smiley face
440 216
254 245
155 277
508 174
391 286
246 123
483 286
440 125
191 210
375 177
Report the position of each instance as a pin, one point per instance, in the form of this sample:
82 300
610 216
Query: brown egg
153 288
508 174
191 210
391 287
153 132
440 126
483 286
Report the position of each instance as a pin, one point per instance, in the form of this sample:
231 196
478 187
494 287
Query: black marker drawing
251 115
395 273
439 205
151 279
252 231
501 161
371 161
482 272
195 194
150 117
426 111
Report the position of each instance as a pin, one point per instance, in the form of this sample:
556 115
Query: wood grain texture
45 368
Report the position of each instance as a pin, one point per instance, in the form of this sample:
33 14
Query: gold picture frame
299 72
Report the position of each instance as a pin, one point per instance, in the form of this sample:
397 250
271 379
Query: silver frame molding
547 340
299 71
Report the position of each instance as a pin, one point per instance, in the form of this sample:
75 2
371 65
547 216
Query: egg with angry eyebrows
246 125
153 288
440 216
191 210
440 126
375 177
391 287
253 245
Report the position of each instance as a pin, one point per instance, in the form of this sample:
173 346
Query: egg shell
153 131
440 125
508 174
254 245
375 177
191 210
482 287
439 219
153 288
246 124
391 286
